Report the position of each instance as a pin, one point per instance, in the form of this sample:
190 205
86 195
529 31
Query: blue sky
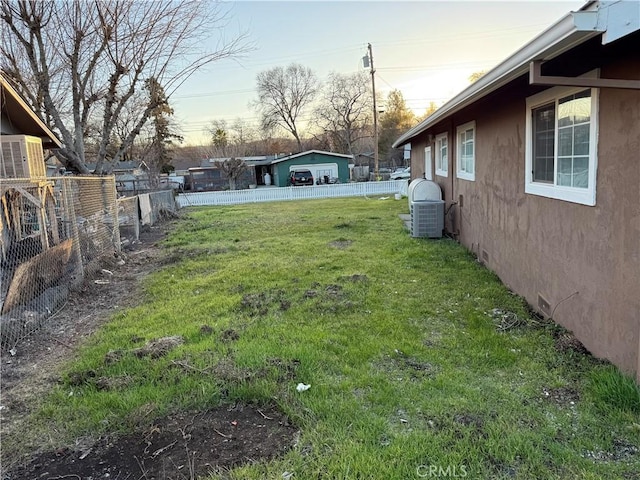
426 49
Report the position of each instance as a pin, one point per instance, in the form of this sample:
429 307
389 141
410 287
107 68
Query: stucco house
539 164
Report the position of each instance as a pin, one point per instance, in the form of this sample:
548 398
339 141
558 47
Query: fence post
112 200
69 207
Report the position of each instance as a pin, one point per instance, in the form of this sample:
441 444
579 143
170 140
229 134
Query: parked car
301 177
401 174
326 179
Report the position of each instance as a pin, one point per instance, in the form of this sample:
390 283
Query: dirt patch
356 278
183 443
403 367
568 343
561 395
259 304
229 335
620 450
341 243
180 446
158 348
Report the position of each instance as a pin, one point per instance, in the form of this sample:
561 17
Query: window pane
545 118
444 162
565 142
441 154
574 114
543 145
574 109
565 171
581 140
565 117
543 169
573 172
469 134
581 172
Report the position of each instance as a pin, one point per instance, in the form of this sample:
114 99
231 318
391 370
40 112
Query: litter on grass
302 387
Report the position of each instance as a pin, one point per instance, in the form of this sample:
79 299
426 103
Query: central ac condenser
427 218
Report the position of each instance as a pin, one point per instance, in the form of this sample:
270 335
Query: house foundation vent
427 218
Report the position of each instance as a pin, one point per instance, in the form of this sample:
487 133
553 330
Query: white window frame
584 196
463 174
442 168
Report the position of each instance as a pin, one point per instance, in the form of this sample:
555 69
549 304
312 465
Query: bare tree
233 168
235 140
79 63
283 94
243 137
345 111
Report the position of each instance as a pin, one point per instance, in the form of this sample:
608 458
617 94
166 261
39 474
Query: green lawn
421 363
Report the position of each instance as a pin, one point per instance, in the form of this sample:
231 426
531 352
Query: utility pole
375 114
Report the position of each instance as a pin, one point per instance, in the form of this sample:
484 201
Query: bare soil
181 446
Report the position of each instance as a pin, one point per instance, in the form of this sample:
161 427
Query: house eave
25 117
308 152
572 30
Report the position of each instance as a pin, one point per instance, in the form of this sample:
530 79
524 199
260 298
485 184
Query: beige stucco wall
553 248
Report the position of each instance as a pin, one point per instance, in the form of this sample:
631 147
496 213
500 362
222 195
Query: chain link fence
156 206
53 232
129 219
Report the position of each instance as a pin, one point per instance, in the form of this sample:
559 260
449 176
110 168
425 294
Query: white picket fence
275 194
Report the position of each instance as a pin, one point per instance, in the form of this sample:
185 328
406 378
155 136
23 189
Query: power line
220 92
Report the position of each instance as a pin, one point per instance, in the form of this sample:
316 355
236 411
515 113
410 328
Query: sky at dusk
426 49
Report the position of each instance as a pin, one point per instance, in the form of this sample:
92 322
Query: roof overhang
309 152
572 30
22 118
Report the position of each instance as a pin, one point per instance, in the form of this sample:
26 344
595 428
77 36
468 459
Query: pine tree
396 119
159 153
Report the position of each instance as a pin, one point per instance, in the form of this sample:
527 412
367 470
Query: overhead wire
199 126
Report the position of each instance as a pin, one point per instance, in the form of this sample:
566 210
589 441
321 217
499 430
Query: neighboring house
23 135
321 164
270 170
206 176
28 222
200 179
539 163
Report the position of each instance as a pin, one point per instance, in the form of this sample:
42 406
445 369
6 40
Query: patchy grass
420 361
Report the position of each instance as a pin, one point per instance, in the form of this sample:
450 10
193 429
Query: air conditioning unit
427 218
21 156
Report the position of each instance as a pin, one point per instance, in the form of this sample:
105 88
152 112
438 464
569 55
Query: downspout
455 224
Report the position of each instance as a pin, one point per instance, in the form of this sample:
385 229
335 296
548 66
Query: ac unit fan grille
427 218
